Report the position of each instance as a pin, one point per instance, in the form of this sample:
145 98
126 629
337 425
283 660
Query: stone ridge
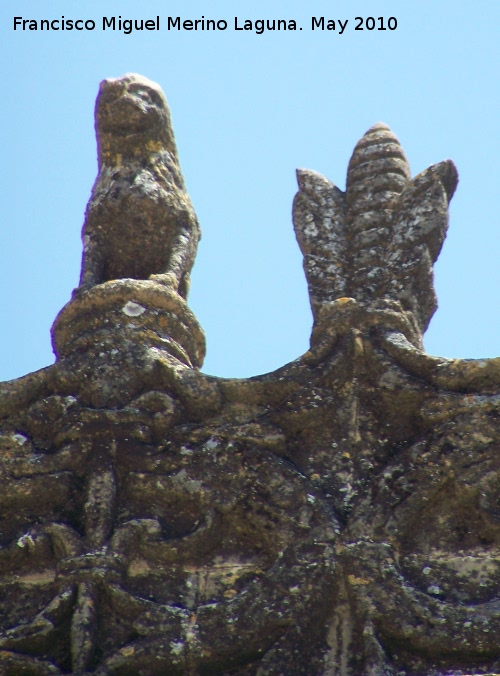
337 517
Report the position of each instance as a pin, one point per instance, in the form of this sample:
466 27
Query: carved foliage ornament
380 238
340 516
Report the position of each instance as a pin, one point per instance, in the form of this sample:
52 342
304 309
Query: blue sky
248 110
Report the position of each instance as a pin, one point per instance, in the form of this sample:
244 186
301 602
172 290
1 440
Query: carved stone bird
139 222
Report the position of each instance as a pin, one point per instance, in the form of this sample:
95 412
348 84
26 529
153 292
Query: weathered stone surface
139 220
380 239
340 516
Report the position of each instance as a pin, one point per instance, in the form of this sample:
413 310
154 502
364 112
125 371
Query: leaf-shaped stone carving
380 238
319 220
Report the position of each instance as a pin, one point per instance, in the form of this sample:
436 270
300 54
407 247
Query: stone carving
340 516
139 220
380 238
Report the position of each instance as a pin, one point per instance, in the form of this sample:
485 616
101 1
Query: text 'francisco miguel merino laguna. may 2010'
177 23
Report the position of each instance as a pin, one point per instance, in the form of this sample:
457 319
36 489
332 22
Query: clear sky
247 110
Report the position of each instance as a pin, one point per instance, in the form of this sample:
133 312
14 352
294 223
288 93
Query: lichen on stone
339 516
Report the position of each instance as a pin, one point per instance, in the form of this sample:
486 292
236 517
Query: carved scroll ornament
340 516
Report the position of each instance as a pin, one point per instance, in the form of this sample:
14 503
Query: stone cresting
338 517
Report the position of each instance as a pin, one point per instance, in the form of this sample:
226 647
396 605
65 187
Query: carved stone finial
128 320
378 240
139 221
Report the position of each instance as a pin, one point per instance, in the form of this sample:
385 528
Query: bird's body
139 220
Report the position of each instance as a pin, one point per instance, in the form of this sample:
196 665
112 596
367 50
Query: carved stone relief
340 516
